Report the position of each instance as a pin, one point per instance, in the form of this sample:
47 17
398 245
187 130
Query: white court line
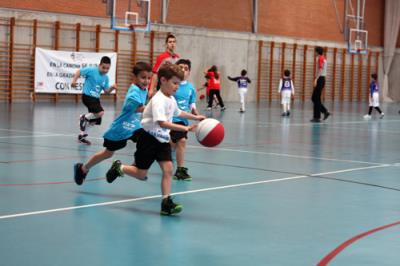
368 129
327 123
33 136
30 131
283 155
241 151
9 216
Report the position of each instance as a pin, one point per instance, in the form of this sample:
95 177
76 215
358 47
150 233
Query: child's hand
73 85
192 128
200 117
113 87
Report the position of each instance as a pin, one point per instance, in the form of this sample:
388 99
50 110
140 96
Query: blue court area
277 191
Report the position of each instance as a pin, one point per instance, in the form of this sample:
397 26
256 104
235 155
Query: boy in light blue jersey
96 81
126 126
185 96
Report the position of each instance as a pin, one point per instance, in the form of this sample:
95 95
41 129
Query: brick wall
310 19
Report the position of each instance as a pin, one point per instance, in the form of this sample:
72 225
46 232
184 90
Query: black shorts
92 103
149 149
177 135
113 145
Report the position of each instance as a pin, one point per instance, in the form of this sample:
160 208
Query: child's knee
182 142
108 154
99 114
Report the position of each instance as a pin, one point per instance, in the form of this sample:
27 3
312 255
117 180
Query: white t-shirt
160 108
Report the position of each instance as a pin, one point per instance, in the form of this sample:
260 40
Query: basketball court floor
277 191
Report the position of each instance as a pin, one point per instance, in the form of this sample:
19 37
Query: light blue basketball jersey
128 120
95 82
185 96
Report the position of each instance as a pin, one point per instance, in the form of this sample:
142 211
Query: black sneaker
223 108
288 113
168 207
315 120
79 175
114 171
326 115
182 174
82 139
284 114
82 122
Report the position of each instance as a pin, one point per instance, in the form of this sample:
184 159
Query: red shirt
165 57
213 83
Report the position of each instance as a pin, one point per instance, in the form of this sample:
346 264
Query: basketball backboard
358 41
129 15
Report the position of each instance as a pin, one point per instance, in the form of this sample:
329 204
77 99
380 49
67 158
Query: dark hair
141 66
319 50
105 60
170 71
244 72
184 62
286 73
215 70
169 36
374 76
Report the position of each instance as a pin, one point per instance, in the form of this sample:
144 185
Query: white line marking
241 151
188 192
283 155
32 136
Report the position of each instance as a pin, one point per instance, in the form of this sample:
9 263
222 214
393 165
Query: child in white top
153 144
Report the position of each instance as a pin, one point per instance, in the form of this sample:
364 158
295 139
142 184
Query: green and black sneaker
182 174
168 207
114 171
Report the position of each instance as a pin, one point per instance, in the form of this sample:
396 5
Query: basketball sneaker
82 139
382 115
168 207
367 117
182 174
79 175
288 113
223 108
114 171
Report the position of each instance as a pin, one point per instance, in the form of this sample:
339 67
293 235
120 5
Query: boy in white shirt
153 144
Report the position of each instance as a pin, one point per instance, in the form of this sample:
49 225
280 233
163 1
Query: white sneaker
382 115
367 117
208 108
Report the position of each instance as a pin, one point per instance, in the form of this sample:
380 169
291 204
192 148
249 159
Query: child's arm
110 89
140 109
280 86
176 127
292 87
233 79
191 116
75 78
248 80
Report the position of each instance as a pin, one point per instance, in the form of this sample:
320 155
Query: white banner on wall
54 70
